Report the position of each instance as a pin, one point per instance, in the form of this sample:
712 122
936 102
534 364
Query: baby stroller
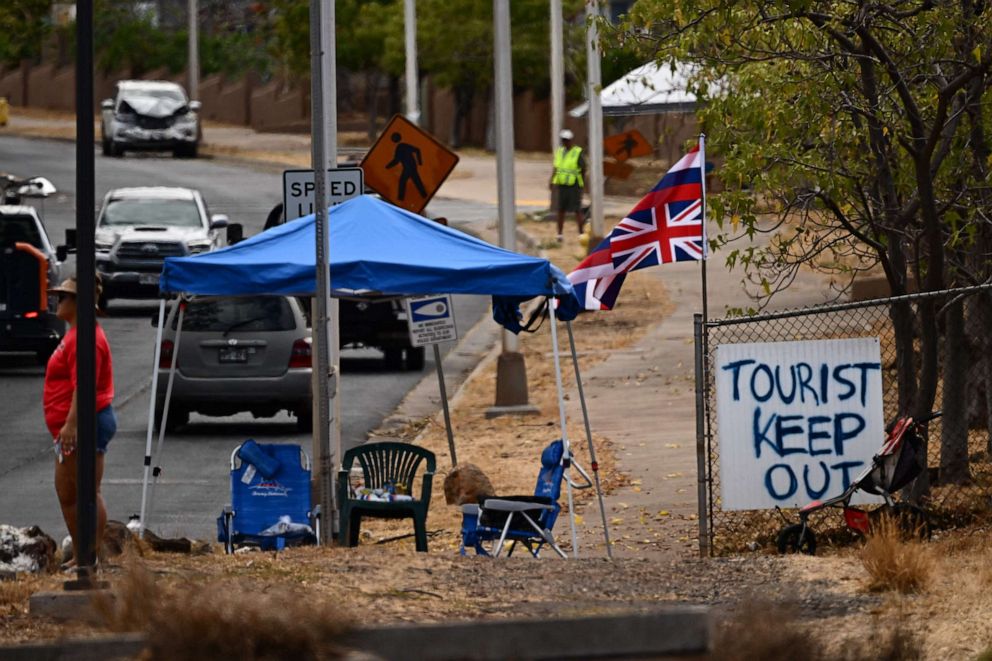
897 464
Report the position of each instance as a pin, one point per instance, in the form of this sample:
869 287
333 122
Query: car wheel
178 417
393 358
102 303
115 150
185 151
796 538
415 359
105 147
45 352
304 421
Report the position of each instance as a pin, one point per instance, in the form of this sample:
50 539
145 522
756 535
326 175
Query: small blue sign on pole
431 320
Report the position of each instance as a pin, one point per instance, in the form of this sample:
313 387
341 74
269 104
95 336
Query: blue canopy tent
377 249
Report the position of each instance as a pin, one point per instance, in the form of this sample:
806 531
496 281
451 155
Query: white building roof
650 88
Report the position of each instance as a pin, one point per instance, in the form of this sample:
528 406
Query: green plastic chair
385 464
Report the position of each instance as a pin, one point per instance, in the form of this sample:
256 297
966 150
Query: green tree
861 130
24 24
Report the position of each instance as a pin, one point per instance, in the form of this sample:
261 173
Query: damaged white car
150 115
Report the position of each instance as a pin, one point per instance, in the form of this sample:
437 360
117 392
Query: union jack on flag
666 226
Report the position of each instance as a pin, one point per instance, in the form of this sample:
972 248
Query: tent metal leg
564 431
592 449
151 414
157 470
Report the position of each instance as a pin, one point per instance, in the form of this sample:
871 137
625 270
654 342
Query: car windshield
167 213
19 229
172 94
241 314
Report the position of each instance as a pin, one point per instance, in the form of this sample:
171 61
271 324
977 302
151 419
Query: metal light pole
86 514
593 88
194 50
511 373
557 73
327 421
410 26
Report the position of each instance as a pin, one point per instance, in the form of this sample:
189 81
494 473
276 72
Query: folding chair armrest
471 509
498 505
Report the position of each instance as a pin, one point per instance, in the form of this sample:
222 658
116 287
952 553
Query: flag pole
702 173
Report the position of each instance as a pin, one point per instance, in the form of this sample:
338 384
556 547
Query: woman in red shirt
60 409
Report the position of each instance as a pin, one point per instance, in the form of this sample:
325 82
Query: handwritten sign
799 421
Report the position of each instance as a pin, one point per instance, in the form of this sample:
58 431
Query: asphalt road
194 485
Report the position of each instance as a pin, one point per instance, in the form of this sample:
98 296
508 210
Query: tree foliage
24 24
857 133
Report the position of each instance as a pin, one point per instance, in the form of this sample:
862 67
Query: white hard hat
565 134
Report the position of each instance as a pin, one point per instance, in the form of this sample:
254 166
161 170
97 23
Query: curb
683 631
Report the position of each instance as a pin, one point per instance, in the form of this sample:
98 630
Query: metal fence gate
949 502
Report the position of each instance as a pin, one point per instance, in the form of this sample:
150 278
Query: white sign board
431 320
798 421
298 189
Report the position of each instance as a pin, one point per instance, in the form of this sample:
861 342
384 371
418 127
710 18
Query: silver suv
246 353
139 227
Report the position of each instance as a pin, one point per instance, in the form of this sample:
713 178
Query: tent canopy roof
375 248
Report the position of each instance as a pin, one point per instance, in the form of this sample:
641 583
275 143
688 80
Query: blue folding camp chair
497 520
270 499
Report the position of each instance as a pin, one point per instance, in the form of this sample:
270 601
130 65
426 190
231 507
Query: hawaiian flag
666 226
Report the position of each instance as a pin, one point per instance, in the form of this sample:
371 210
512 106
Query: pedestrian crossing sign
629 144
407 165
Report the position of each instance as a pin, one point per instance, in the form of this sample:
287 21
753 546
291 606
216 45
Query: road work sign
298 189
431 320
407 165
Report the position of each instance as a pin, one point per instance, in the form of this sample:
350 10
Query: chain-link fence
957 483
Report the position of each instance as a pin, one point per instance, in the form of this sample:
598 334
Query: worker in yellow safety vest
567 181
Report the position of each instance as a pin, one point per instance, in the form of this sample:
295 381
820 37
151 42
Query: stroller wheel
796 538
912 520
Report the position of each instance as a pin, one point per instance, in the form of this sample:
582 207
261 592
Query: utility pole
412 79
557 73
327 421
85 539
194 50
511 373
593 87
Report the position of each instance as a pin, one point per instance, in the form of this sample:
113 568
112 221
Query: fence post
701 476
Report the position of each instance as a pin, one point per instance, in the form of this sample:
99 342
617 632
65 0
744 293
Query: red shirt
60 379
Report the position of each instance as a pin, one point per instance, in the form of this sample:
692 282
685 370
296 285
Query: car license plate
148 279
232 355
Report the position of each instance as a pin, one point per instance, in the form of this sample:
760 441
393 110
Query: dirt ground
825 600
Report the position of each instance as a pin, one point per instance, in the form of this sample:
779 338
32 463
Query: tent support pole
564 432
444 405
592 449
151 414
157 470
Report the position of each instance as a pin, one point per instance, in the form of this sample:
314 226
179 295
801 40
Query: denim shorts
106 427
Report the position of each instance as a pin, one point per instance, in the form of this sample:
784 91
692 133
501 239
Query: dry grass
760 629
224 619
14 594
894 562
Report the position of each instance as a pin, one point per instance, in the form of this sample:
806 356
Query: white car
150 115
139 227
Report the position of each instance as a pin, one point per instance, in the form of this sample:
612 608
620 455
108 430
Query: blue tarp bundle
375 248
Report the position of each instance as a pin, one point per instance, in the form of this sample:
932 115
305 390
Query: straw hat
68 286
